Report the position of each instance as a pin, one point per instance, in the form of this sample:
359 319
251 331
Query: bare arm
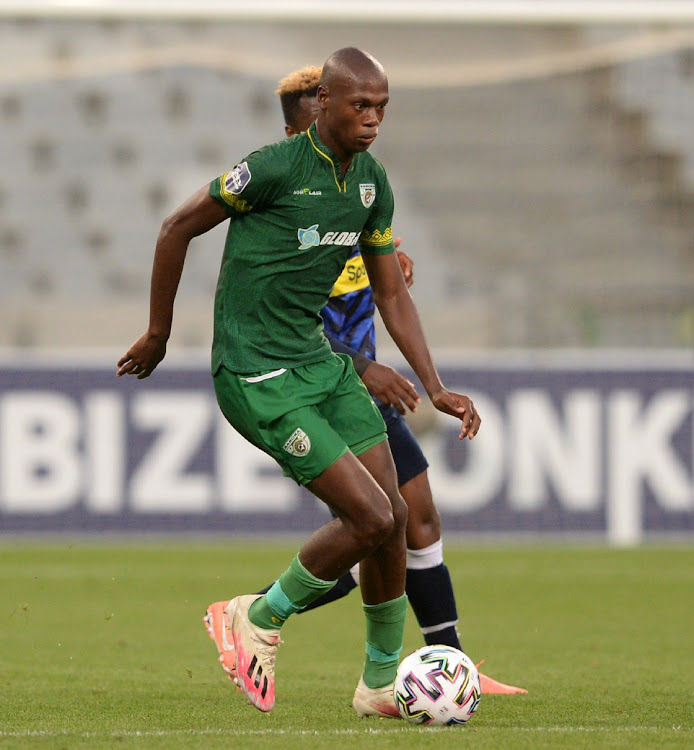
401 318
197 215
406 264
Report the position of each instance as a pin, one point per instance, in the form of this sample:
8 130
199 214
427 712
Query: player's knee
431 524
381 527
423 529
400 513
390 520
376 525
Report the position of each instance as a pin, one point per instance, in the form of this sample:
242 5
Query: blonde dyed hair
300 81
294 87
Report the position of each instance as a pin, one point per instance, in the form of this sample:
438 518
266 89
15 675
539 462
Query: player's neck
343 158
344 166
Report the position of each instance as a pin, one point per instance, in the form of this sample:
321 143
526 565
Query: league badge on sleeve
367 191
236 180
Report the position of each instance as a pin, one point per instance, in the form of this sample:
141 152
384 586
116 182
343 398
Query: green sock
294 590
385 627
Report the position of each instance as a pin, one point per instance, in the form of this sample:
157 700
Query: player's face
306 113
351 112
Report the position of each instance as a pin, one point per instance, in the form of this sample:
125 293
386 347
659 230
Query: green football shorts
306 417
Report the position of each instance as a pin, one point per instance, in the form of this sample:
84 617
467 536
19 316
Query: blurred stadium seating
544 176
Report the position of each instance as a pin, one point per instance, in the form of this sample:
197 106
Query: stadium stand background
543 174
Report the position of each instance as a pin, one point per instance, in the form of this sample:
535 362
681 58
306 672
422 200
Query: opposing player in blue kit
297 209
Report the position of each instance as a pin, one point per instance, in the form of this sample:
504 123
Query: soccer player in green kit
297 209
349 327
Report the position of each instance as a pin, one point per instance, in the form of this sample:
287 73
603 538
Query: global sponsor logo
308 237
348 239
311 238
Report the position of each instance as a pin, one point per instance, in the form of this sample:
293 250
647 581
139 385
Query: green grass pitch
102 646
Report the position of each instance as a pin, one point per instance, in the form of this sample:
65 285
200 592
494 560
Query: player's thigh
408 456
378 461
351 491
423 520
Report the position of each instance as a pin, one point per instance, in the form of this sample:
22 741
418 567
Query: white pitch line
329 733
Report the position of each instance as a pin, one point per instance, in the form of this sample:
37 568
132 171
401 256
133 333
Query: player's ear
323 96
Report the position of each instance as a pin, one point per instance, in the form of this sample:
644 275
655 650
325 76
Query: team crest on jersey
236 180
299 444
367 191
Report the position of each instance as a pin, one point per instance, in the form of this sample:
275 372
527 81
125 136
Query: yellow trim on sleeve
376 238
235 201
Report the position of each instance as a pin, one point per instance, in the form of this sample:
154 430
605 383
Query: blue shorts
407 454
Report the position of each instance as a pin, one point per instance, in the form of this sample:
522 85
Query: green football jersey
293 225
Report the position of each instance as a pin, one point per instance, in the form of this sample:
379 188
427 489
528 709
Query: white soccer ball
437 685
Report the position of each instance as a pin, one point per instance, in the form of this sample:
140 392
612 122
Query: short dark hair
294 87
